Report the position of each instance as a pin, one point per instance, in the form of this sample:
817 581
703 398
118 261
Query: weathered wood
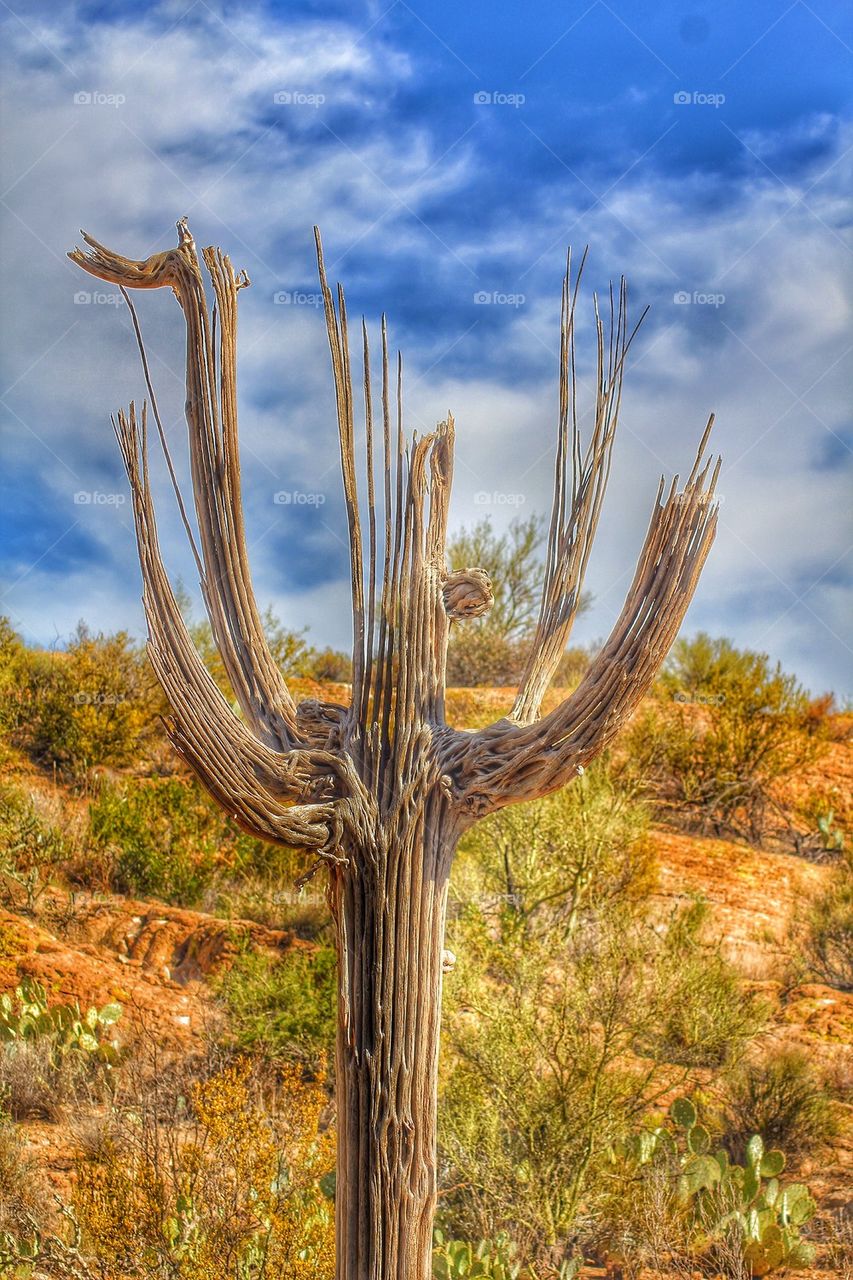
389 927
381 790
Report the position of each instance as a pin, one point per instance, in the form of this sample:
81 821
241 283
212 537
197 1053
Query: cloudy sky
450 153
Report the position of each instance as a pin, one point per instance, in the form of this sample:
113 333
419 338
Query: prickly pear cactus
65 1026
726 1199
488 1260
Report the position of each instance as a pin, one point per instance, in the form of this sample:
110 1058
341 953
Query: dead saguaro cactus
380 791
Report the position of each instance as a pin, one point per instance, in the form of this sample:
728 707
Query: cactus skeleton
381 790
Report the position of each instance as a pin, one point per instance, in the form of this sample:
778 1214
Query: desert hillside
125 892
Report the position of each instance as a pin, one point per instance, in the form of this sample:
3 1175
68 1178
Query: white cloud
199 133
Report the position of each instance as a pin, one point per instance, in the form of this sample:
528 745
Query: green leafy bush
553 1045
727 728
493 649
94 703
13 677
283 1006
264 894
326 664
568 998
548 864
165 838
161 837
708 1018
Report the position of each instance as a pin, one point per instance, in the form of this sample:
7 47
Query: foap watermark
497 499
295 98
699 699
95 98
298 498
484 298
296 298
97 298
495 98
695 98
94 498
684 298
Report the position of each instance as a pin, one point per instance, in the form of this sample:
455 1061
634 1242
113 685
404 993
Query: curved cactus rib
256 785
211 410
505 762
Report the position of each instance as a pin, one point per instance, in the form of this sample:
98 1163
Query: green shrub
708 1018
828 944
94 703
569 1003
165 838
548 864
783 1098
283 1006
262 895
326 664
31 849
13 677
161 837
728 727
701 669
493 649
553 1046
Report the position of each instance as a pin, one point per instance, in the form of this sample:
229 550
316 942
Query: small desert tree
493 648
382 789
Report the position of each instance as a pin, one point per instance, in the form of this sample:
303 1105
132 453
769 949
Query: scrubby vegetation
220 1180
828 946
492 650
726 728
782 1096
31 848
284 1008
96 702
687 1198
581 1002
219 1173
574 1009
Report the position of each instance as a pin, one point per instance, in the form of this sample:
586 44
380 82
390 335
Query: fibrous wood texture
381 790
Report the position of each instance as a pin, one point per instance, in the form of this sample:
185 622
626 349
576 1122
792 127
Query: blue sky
450 153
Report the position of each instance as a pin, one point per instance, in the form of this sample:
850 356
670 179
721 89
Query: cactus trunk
390 930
